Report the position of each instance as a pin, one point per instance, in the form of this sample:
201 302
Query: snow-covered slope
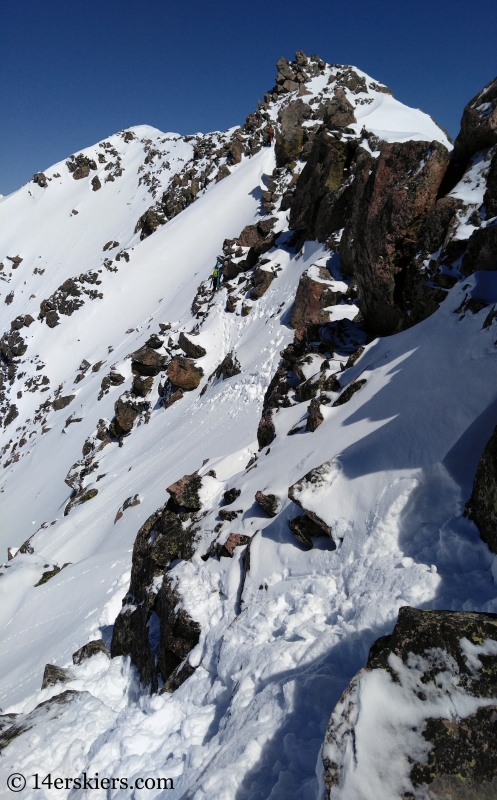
281 638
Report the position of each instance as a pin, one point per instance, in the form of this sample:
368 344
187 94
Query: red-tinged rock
184 373
234 540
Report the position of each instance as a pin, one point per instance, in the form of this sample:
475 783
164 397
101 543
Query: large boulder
263 279
478 123
290 137
185 492
147 361
184 373
314 294
382 235
419 720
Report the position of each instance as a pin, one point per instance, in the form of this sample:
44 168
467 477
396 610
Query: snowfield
278 643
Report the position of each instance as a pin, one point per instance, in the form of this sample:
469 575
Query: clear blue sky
72 72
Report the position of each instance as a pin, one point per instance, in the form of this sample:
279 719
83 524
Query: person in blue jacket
216 274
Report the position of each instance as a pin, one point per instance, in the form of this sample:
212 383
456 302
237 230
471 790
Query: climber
216 274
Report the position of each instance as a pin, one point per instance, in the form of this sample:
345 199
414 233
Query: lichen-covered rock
231 495
184 373
349 392
314 294
234 540
420 720
478 123
191 349
322 177
54 674
290 137
152 626
270 503
185 492
393 201
483 502
89 650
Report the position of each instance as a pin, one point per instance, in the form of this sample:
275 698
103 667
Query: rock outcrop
381 237
290 137
191 349
482 506
147 362
184 373
314 295
270 503
478 123
439 670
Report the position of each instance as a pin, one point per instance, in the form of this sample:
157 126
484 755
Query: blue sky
75 72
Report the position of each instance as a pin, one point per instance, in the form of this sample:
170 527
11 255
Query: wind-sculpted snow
283 626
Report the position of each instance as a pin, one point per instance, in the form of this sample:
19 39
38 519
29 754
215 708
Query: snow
273 659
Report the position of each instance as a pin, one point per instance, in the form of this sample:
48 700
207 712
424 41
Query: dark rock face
435 648
478 123
312 297
483 502
152 626
231 495
338 112
88 650
142 386
322 177
305 529
438 222
315 417
69 297
95 183
266 432
269 503
290 137
262 281
184 373
53 675
349 392
185 492
49 709
481 252
127 410
147 362
80 166
149 222
258 236
228 368
381 236
191 349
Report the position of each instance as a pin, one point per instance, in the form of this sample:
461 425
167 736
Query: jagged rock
266 432
231 304
191 349
338 112
53 675
11 415
41 179
147 362
88 650
478 123
382 235
269 503
152 627
228 368
438 222
112 379
47 575
322 177
262 281
185 492
312 297
80 166
22 321
62 402
481 252
184 373
231 495
305 529
43 712
149 222
349 392
314 479
290 137
483 502
69 297
95 183
228 516
234 540
127 409
173 398
142 386
12 346
130 502
256 236
315 417
442 736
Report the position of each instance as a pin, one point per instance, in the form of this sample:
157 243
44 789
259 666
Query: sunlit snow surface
272 664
